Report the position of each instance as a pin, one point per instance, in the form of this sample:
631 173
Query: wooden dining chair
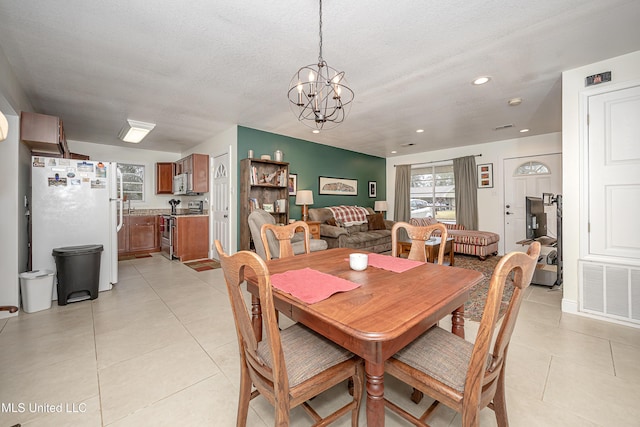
287 367
418 236
283 235
464 376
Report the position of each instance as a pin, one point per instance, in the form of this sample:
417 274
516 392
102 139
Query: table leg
457 321
256 317
374 374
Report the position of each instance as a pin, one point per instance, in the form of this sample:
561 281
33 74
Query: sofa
372 235
468 242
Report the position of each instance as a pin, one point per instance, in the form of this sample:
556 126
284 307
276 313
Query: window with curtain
433 192
132 181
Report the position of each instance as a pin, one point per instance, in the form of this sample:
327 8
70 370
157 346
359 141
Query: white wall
624 68
9 282
124 154
490 200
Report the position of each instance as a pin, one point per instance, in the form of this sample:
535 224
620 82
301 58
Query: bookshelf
263 185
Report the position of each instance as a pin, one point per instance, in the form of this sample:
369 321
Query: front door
220 203
529 176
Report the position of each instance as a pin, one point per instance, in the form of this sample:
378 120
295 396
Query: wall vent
610 290
503 127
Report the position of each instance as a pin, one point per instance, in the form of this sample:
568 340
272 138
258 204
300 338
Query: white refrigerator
74 203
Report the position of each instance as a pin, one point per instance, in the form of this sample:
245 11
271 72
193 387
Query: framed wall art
293 184
338 186
485 175
373 189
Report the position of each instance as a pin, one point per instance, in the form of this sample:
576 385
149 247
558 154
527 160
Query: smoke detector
513 102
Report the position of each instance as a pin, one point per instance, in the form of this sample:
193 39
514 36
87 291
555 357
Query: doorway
529 176
219 208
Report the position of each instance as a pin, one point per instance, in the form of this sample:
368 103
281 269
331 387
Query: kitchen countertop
145 212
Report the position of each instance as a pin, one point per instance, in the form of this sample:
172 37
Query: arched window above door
532 168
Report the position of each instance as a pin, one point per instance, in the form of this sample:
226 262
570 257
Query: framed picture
373 189
293 184
268 207
485 175
338 186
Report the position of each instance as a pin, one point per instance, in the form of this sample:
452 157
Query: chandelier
318 94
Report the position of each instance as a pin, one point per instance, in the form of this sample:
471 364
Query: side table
314 229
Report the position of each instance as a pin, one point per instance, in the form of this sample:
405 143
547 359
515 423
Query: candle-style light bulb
299 87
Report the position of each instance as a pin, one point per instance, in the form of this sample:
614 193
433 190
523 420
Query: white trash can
36 288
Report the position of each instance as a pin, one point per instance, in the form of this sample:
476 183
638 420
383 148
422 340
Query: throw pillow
376 222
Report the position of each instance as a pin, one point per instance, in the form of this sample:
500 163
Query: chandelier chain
320 31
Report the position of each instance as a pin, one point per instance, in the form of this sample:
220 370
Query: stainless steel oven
167 223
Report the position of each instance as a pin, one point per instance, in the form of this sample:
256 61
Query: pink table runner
397 265
310 285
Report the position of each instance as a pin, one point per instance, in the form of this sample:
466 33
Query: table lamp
304 198
380 206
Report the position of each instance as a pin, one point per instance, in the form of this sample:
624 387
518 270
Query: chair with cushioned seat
283 235
258 218
287 367
464 376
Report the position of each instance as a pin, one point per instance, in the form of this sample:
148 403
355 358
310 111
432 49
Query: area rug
474 306
130 257
203 264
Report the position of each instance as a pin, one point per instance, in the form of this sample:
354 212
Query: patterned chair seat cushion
306 353
441 355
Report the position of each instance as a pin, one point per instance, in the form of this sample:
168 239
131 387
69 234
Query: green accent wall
309 161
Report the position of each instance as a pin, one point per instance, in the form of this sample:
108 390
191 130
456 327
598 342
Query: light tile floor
160 350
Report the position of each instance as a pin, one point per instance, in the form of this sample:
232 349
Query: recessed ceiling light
524 130
513 102
135 131
481 80
419 130
316 131
394 152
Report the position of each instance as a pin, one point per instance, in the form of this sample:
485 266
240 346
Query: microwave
182 184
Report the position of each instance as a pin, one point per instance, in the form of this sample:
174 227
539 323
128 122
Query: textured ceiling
196 68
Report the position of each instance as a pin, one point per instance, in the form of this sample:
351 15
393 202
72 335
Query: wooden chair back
484 380
418 236
284 234
234 268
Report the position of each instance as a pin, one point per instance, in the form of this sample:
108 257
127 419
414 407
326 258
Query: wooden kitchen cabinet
191 237
164 177
196 165
139 234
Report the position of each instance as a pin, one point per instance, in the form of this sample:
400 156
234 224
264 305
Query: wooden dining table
385 313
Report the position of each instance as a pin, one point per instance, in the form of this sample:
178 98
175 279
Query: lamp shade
304 197
380 206
4 127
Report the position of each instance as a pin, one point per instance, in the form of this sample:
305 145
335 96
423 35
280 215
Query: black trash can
78 271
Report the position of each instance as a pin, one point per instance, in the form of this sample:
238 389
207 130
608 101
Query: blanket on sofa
349 215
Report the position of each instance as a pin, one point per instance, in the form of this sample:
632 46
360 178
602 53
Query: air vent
408 144
503 127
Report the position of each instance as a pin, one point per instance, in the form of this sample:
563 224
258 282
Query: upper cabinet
43 134
164 177
197 167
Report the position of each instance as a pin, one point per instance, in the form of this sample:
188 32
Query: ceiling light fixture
419 130
481 80
524 130
318 94
135 131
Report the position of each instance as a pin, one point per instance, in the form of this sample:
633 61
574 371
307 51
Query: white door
220 204
529 176
614 173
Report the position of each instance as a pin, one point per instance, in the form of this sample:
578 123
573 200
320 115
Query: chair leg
416 396
500 403
358 388
245 397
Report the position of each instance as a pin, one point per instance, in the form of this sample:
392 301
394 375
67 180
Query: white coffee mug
358 262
